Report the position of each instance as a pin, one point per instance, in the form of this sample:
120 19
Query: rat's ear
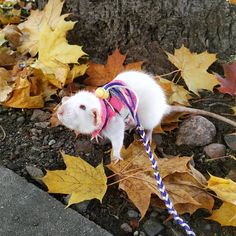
64 99
95 114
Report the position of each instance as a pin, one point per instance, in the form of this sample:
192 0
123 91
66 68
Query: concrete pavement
26 210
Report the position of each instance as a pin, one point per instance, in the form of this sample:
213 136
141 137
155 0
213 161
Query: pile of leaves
37 62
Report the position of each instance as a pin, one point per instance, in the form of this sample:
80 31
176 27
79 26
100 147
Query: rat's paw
116 159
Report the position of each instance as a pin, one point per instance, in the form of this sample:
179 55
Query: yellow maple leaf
175 93
193 68
79 179
21 98
54 55
234 110
51 14
224 188
225 215
183 185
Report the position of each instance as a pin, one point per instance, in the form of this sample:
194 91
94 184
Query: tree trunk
145 29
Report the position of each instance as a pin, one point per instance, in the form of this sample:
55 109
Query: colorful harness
119 97
124 96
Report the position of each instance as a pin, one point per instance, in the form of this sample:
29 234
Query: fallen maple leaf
225 215
7 56
54 56
21 98
183 185
228 84
79 179
169 122
234 110
101 74
175 93
50 15
193 68
12 34
224 188
232 1
12 16
5 89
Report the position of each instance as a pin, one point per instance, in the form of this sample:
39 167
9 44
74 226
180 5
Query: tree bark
145 29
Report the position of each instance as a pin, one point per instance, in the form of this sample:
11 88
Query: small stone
154 214
230 140
126 227
42 125
13 116
196 131
20 120
35 173
51 142
12 166
207 227
45 139
84 146
80 207
215 150
232 175
152 227
132 214
34 138
39 115
157 138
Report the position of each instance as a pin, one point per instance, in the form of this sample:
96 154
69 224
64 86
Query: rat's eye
83 107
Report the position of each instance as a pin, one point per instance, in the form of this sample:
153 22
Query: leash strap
119 89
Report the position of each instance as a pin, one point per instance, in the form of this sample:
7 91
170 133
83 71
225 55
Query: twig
202 112
169 73
4 133
220 158
129 176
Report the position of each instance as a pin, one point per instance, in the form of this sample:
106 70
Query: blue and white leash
119 89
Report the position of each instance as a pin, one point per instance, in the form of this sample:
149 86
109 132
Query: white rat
83 112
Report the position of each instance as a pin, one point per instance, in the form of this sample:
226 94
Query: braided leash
120 90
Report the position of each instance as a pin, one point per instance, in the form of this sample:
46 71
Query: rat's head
81 112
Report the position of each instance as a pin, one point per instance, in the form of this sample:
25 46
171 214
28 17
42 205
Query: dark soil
27 143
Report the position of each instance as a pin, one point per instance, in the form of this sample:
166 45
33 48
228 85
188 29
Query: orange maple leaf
101 74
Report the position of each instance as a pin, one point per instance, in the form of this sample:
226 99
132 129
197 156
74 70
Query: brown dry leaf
137 179
193 68
175 93
10 17
5 89
21 97
12 34
46 88
80 179
54 121
7 57
225 215
232 1
169 122
101 74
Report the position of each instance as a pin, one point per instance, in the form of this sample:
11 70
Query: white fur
82 121
152 108
152 100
